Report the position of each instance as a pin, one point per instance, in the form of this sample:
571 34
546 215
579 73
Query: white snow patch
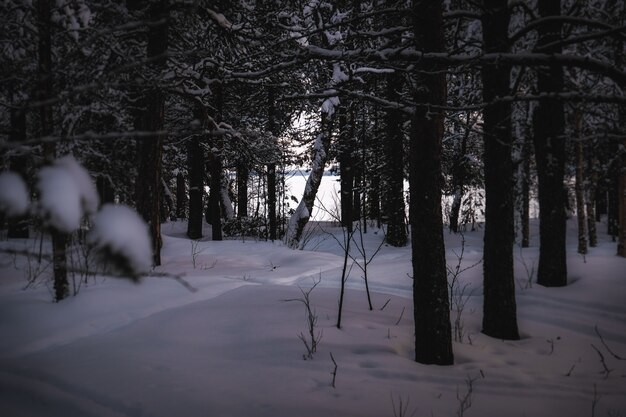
14 198
88 192
59 199
119 231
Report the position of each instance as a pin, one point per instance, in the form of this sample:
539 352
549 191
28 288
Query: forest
459 136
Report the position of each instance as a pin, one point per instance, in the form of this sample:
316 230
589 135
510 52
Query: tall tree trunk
242 189
459 173
195 163
549 140
431 310
590 200
499 308
580 186
149 190
526 181
301 216
346 173
105 190
271 168
181 196
613 225
18 228
393 172
59 239
215 189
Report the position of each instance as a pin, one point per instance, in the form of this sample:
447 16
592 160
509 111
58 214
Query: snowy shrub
59 199
14 198
66 193
120 236
246 226
88 192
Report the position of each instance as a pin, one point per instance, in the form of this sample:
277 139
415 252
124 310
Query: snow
66 194
231 348
60 199
119 231
14 198
328 105
87 189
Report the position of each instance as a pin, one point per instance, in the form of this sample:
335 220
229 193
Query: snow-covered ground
231 348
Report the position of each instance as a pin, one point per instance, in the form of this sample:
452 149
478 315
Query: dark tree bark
613 207
105 190
581 217
215 168
346 169
549 140
18 227
459 174
393 171
433 336
271 168
301 216
181 196
590 199
151 119
59 239
243 174
195 163
499 307
526 181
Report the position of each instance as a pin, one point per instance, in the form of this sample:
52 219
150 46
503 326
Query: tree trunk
346 173
526 190
215 189
59 239
393 172
431 310
613 214
150 149
459 173
301 216
548 125
195 163
18 227
590 201
242 189
271 169
105 190
181 196
581 219
499 308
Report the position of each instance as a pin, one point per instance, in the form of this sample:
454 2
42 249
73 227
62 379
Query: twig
619 358
401 314
334 372
385 305
606 370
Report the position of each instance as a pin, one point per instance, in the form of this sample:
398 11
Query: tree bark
242 190
526 181
590 200
150 149
18 227
181 196
499 307
195 161
548 125
301 216
431 310
271 169
393 171
459 174
346 170
581 218
59 239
